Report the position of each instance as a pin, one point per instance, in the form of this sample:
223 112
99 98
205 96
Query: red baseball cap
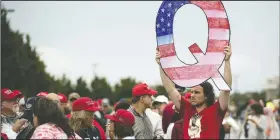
7 94
96 105
62 98
188 95
142 89
42 94
18 92
123 117
84 103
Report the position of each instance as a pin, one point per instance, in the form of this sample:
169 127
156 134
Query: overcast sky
120 37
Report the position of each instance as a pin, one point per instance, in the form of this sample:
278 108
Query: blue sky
120 37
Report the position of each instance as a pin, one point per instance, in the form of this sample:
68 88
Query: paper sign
189 75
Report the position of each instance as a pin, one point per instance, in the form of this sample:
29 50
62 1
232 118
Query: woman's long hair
80 119
48 111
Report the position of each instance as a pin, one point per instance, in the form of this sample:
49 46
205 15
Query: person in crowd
159 104
177 122
99 117
231 127
106 109
106 106
118 105
64 103
82 118
50 122
272 130
202 113
142 99
28 115
255 124
120 126
167 123
156 121
42 94
21 102
121 105
9 111
54 97
178 131
72 97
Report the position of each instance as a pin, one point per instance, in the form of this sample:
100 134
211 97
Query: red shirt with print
203 125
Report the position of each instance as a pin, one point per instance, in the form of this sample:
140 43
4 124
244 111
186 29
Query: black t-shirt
90 133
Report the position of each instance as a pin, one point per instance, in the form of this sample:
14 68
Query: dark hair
122 105
48 111
156 104
135 99
179 88
122 131
208 93
257 108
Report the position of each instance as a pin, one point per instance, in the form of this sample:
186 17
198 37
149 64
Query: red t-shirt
177 131
203 125
97 125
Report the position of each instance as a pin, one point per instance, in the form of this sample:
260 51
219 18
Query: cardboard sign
209 63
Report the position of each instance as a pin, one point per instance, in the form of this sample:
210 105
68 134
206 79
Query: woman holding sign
202 115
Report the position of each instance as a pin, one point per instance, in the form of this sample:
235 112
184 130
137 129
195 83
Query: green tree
82 88
161 90
123 89
64 85
21 67
101 88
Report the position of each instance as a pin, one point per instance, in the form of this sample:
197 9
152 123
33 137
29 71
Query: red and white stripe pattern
208 64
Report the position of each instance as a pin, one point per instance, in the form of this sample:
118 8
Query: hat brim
113 118
92 109
152 92
14 96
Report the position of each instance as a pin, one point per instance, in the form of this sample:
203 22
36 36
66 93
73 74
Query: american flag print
209 63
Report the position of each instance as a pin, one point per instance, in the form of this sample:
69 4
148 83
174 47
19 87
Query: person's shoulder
149 112
43 126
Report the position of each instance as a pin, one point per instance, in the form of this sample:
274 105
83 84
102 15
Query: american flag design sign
209 63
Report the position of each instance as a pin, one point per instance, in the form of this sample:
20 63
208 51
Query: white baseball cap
161 99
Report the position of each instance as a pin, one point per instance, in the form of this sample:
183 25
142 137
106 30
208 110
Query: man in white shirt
156 121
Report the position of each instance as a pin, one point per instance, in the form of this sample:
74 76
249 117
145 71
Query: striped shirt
143 127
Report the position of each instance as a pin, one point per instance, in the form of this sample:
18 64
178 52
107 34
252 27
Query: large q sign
208 64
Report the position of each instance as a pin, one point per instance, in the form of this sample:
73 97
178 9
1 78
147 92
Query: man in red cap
64 103
120 126
9 108
141 100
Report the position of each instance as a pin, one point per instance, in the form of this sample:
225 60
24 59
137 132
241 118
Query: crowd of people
184 114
